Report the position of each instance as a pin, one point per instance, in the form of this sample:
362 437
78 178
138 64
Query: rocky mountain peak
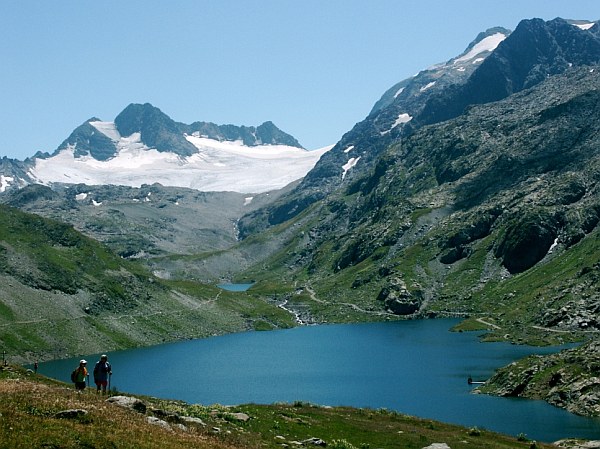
87 141
157 130
534 51
265 134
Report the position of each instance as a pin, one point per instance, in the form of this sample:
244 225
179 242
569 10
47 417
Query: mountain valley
470 190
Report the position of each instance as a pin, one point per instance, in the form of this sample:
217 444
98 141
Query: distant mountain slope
161 227
63 294
50 255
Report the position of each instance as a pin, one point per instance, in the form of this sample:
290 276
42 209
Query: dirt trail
487 323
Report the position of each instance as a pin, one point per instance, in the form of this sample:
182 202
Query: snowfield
217 166
487 44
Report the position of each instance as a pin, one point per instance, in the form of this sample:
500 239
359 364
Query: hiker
102 373
79 375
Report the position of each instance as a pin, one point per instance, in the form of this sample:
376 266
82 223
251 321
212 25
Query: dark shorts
102 383
80 385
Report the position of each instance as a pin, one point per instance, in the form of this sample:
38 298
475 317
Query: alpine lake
416 367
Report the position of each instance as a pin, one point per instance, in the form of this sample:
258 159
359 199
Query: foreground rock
128 402
71 414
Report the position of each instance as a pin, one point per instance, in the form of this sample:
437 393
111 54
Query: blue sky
313 67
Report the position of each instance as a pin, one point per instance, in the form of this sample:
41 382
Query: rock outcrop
569 379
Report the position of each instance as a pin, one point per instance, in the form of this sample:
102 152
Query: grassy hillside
31 406
63 294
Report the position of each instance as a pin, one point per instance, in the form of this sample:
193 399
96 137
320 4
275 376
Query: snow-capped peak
216 165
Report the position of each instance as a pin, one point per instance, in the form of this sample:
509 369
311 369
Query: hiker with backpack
102 373
79 375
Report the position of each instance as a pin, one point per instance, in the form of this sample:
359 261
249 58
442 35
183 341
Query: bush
341 444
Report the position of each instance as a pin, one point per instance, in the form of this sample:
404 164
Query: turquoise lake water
235 287
415 367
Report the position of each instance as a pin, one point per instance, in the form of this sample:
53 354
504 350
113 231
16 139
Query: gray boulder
128 402
158 422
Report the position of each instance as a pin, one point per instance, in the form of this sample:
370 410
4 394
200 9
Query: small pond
235 287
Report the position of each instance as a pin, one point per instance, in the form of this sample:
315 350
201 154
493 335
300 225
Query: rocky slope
495 192
506 64
162 227
570 379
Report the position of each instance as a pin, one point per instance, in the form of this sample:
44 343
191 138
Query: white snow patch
402 118
108 129
584 26
350 148
5 182
427 86
348 165
399 92
96 203
217 166
81 196
553 245
248 200
487 44
477 60
461 69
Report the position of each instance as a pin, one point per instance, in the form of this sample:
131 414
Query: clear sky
313 67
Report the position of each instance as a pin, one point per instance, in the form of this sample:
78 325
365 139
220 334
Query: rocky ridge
524 58
157 130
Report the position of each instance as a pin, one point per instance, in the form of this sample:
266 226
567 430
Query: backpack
74 375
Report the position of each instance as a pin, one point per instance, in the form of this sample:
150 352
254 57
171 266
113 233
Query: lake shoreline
292 365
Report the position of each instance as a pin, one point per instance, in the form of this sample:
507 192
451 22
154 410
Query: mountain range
145 146
470 189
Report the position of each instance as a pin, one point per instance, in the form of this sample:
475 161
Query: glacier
217 166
